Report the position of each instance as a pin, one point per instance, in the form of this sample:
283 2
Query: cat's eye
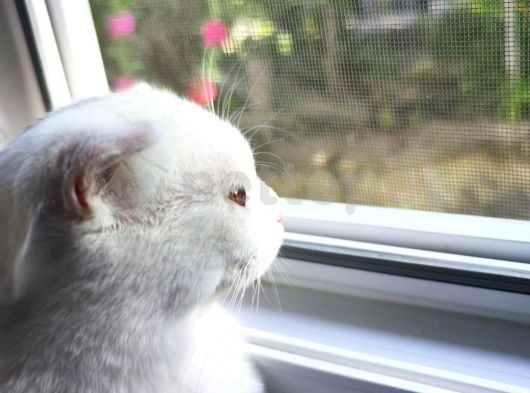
239 197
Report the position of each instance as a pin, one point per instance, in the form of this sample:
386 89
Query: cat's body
202 352
121 220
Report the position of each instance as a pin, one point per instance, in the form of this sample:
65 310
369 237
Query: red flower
121 24
123 82
202 92
214 33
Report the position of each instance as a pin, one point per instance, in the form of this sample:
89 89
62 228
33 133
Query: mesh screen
419 104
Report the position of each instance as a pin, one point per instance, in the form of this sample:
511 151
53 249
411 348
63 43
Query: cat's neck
111 302
118 338
122 310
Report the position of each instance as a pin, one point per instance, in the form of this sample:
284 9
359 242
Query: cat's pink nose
281 219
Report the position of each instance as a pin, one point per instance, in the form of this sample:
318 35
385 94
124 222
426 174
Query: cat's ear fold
92 164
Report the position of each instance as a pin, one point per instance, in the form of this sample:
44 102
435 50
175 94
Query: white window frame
50 59
479 236
20 94
475 244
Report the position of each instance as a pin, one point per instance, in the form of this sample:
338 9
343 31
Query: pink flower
123 82
214 33
121 24
202 92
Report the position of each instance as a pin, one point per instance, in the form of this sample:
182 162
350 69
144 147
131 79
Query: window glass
420 104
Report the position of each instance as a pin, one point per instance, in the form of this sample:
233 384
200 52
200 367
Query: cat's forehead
192 136
203 140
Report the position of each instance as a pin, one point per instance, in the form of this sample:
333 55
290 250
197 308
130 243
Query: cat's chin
222 288
236 280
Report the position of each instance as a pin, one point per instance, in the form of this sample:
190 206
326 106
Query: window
407 104
387 118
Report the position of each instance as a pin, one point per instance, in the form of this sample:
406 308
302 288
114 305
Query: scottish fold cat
122 220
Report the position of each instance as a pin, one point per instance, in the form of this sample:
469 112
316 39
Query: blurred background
418 104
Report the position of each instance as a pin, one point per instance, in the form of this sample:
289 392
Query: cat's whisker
267 295
220 101
233 298
265 144
228 291
231 292
240 302
241 293
270 154
267 126
264 125
228 101
266 122
283 273
241 109
203 69
271 167
254 288
203 76
275 288
235 281
251 128
220 96
210 80
282 162
248 97
274 167
258 289
233 115
245 283
248 130
250 94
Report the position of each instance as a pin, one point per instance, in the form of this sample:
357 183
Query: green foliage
482 7
515 100
468 49
448 64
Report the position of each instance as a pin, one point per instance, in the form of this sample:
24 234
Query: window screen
419 104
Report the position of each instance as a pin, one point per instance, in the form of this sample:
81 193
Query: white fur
118 295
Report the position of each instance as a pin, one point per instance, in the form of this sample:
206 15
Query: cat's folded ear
96 169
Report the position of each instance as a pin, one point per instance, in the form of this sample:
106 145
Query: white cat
122 218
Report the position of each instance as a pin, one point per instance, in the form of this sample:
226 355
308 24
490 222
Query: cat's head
142 179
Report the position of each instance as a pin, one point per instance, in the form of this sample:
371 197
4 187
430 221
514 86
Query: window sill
356 339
